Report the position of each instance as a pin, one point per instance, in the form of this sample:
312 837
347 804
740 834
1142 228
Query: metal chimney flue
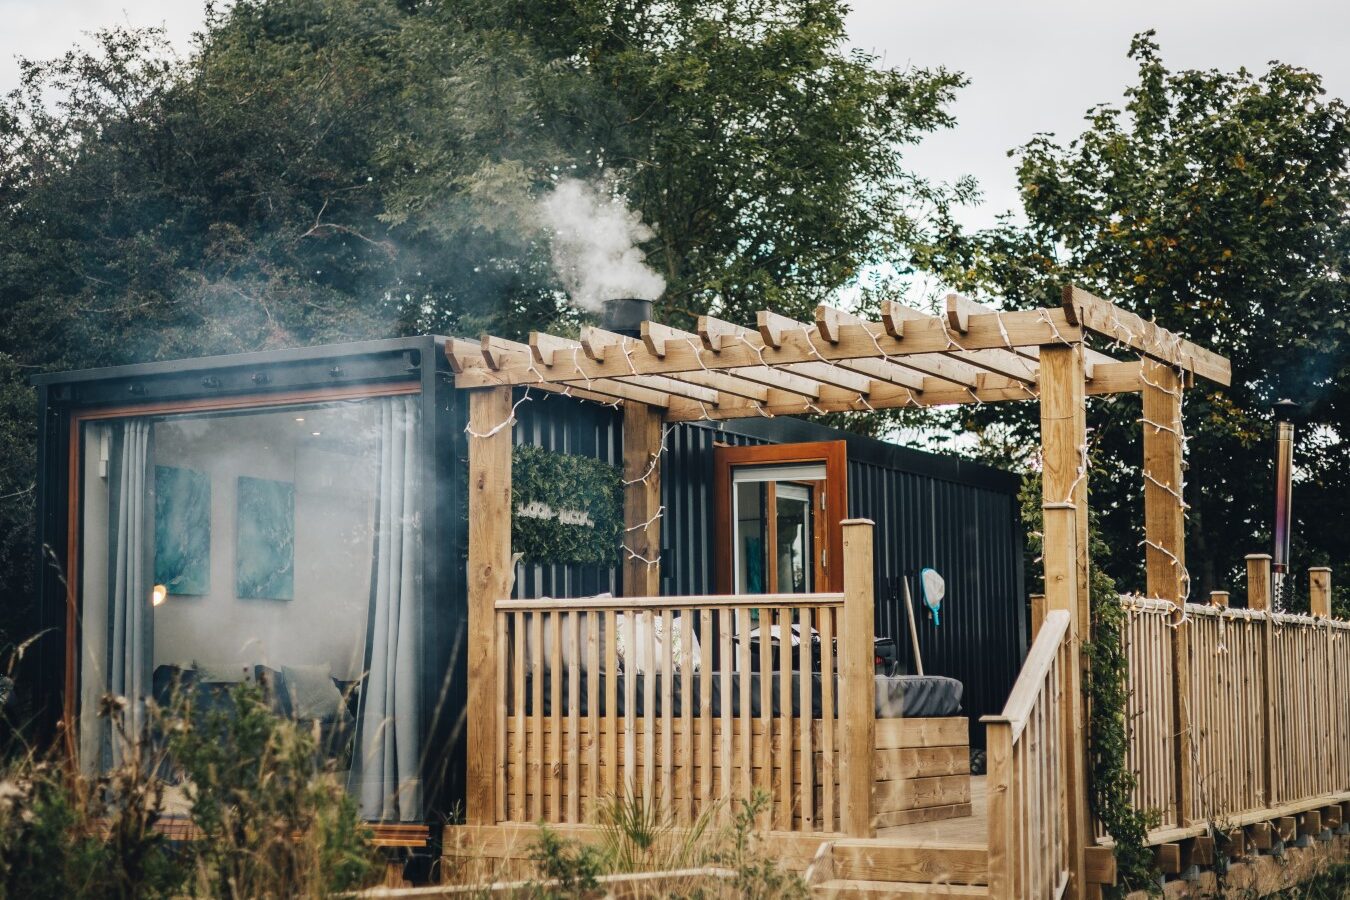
625 315
1284 486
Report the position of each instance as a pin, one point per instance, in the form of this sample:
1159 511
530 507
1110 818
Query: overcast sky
1033 66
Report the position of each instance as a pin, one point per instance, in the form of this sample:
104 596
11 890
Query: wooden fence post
1218 599
489 579
1319 591
1258 581
857 707
1258 598
1319 605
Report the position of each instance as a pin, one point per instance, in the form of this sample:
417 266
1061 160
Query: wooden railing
693 703
1029 840
1259 729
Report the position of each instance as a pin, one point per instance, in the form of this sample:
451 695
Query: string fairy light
505 423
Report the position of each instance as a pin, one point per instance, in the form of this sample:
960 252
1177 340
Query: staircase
845 869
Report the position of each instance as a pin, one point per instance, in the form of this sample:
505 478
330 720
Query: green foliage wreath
562 483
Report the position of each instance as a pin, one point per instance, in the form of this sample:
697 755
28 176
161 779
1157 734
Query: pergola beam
1108 320
773 325
463 355
998 360
595 339
503 356
930 336
816 370
657 337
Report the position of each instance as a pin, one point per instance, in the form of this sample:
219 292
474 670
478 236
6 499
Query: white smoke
595 238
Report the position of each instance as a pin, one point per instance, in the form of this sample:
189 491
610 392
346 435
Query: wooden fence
1261 725
693 703
1028 810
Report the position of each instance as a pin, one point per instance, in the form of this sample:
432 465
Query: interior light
158 595
299 418
315 433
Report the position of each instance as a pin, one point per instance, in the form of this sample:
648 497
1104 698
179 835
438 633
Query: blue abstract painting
264 549
182 530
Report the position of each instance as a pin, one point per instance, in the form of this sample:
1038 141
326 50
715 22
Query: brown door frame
834 454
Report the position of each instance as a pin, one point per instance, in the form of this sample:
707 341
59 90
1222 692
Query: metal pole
1284 485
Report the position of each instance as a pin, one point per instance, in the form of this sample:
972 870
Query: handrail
701 601
1030 844
1031 679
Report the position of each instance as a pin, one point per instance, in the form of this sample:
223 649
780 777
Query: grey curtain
131 546
389 747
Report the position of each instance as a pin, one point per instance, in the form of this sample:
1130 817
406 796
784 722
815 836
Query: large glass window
777 540
280 545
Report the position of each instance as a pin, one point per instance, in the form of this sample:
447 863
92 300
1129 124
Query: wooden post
1064 506
1165 552
1002 825
1319 591
857 705
642 434
1218 599
1258 581
1164 514
1258 598
489 580
1037 615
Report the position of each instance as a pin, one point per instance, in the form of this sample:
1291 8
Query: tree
321 170
1217 203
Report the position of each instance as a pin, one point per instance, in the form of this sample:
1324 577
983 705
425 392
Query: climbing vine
1110 782
566 508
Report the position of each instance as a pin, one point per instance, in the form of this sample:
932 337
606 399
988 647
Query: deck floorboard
965 830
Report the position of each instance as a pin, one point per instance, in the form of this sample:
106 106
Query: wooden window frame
74 521
834 455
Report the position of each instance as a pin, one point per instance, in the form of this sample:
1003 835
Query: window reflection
285 544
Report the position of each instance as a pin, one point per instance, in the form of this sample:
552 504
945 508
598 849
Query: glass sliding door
276 545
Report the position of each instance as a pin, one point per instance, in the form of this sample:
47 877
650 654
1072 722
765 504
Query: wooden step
905 862
849 889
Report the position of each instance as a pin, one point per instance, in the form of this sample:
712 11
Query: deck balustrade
1028 818
694 703
1266 706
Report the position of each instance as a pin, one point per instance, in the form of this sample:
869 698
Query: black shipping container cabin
954 516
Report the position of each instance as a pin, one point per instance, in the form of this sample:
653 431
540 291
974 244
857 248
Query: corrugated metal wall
959 518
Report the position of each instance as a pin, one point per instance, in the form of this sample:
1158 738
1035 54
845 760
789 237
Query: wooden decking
963 831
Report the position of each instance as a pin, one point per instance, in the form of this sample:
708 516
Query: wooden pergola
840 362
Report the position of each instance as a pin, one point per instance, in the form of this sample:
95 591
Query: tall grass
640 835
267 816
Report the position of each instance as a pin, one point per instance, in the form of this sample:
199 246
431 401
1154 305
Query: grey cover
897 696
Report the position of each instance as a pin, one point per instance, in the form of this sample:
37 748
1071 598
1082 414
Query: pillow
312 692
221 673
274 688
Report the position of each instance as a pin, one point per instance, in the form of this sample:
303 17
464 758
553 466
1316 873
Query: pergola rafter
840 362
